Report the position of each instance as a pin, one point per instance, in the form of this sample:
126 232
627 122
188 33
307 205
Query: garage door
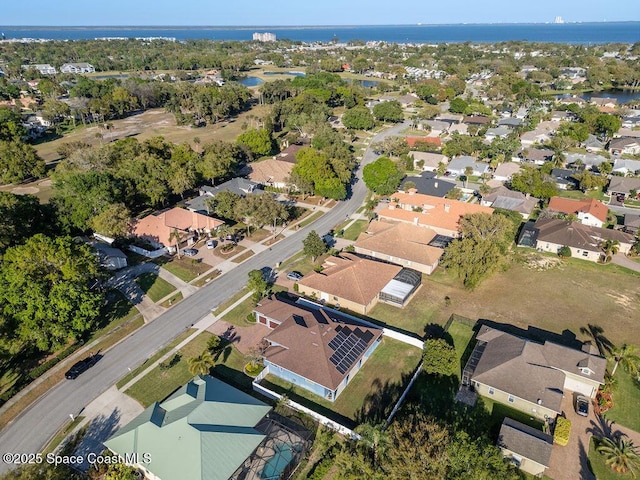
272 324
579 387
262 320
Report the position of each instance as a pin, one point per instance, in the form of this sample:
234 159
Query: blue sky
308 12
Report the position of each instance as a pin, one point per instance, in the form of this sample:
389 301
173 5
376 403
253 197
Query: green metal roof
203 431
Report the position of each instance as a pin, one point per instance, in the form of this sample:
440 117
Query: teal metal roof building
205 430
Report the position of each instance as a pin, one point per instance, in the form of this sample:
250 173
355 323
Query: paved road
29 432
621 210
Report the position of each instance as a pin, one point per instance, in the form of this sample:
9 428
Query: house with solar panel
315 348
209 430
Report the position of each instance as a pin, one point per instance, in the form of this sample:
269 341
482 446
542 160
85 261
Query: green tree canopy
440 358
257 141
388 111
19 161
257 284
382 176
114 221
358 118
45 291
313 245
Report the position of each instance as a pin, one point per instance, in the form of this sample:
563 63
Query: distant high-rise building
558 19
264 37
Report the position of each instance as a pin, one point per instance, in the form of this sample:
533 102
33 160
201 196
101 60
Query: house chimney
447 207
435 184
412 191
416 220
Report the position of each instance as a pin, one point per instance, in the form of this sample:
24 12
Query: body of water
582 33
622 96
251 81
293 74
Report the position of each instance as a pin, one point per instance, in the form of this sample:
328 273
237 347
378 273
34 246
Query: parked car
294 276
582 406
81 367
190 252
211 244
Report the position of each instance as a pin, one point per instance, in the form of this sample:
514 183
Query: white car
211 244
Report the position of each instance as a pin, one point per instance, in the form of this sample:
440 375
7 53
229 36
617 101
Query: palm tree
201 364
620 454
177 236
610 248
628 357
375 439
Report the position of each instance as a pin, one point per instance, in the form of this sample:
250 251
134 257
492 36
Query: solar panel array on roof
348 351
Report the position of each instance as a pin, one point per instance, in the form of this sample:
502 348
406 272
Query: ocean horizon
575 33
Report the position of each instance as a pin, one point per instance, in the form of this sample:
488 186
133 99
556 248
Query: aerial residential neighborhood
267 254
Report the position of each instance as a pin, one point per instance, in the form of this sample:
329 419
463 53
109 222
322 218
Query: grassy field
160 383
372 392
355 230
241 258
152 123
202 281
626 399
186 269
579 195
154 286
600 469
564 298
461 335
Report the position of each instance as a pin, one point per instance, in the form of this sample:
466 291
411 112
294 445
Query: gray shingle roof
526 441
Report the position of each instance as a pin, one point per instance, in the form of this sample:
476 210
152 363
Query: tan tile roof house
157 227
550 234
589 211
315 348
271 172
440 214
528 376
351 281
402 244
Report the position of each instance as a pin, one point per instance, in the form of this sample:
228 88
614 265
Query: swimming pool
276 464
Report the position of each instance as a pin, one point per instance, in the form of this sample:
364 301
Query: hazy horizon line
312 26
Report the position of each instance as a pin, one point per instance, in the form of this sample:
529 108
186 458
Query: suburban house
529 376
273 172
428 183
528 448
428 161
604 102
440 214
620 188
562 115
589 211
408 245
158 228
450 118
357 283
42 68
110 258
236 185
506 199
505 171
632 223
564 178
572 99
537 156
458 166
589 160
206 430
584 241
478 120
535 136
624 145
318 349
499 132
592 144
77 68
626 166
437 127
509 122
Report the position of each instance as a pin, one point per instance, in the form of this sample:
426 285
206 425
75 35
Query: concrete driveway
571 462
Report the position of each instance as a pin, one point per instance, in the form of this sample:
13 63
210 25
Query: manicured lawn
260 234
310 219
154 286
160 383
200 282
567 297
577 194
600 469
626 398
169 302
372 392
186 269
238 316
355 230
499 411
461 335
220 253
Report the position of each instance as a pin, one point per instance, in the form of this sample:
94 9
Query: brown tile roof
401 240
570 206
526 441
269 171
476 120
436 212
529 370
352 277
300 343
159 226
577 235
289 153
411 141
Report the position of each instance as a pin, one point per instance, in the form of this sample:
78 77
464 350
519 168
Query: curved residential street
32 429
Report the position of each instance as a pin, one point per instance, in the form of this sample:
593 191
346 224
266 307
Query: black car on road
81 367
